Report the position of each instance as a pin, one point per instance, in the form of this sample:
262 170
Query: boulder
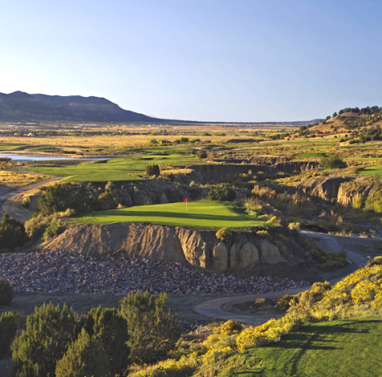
270 254
163 199
220 254
248 255
325 188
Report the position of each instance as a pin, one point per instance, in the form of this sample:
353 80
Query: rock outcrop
365 187
245 253
340 189
325 188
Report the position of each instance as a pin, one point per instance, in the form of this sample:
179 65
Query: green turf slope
348 348
374 170
117 169
204 214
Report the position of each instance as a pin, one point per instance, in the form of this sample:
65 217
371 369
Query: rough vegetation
357 296
101 343
6 292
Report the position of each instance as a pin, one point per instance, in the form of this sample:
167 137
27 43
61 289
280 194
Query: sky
206 60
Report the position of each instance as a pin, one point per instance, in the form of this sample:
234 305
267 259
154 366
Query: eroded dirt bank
244 253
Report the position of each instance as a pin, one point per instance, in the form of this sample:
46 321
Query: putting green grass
204 214
116 169
336 349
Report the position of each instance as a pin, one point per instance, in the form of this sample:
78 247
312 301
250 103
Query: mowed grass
336 349
375 170
203 214
5 147
117 169
309 155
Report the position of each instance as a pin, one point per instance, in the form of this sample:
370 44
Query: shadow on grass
167 215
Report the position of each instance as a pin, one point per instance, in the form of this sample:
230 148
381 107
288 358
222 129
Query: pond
29 157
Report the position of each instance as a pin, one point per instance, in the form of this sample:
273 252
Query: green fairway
117 169
204 214
371 171
4 147
333 349
309 155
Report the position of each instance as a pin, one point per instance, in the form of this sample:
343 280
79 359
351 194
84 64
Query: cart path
215 308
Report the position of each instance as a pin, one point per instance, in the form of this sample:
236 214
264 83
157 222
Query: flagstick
186 205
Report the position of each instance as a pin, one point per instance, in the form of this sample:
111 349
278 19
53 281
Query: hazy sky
218 60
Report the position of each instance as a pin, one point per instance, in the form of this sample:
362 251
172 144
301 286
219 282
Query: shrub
48 333
12 232
294 226
253 205
222 194
263 234
229 328
153 331
224 234
110 328
333 162
201 154
37 225
60 197
6 292
55 228
109 186
284 303
84 357
152 170
358 202
374 203
8 328
26 202
106 201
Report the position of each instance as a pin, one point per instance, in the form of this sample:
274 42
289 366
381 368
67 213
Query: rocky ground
71 272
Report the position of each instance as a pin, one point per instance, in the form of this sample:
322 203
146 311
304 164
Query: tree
106 201
110 328
12 232
222 194
84 357
152 170
6 292
153 331
48 333
60 197
8 328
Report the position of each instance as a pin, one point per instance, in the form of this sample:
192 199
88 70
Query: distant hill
353 123
24 107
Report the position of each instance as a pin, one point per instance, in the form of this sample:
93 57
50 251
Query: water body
30 157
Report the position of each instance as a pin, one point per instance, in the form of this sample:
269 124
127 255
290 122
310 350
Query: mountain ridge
20 106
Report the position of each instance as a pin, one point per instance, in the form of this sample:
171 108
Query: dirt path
9 194
217 308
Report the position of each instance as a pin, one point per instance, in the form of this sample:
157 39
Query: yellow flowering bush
229 328
350 297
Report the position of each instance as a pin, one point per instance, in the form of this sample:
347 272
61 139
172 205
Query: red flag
185 200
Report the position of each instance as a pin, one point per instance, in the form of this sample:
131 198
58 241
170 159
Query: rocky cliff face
324 187
342 190
245 253
348 191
